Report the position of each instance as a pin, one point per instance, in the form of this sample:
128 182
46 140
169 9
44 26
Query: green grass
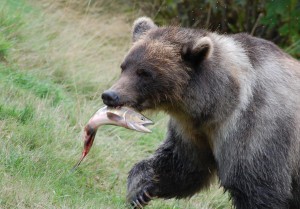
54 63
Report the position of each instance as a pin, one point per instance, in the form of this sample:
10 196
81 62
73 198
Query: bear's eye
144 73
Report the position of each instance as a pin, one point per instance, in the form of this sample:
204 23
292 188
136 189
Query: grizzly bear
234 107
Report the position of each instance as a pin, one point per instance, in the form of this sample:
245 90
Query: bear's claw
141 200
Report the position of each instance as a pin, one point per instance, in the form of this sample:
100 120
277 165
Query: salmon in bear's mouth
120 116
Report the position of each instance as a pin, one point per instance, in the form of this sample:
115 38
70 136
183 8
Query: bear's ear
196 51
141 26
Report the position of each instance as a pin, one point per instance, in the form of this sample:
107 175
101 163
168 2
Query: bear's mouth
134 106
137 106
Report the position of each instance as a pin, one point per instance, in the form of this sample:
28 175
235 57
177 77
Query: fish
119 116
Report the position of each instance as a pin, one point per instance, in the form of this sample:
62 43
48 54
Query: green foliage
282 18
42 89
276 20
23 115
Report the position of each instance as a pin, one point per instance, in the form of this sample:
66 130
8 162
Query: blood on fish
88 142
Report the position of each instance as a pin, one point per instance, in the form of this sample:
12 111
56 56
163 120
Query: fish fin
113 116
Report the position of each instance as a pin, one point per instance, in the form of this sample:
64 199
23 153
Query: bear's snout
110 98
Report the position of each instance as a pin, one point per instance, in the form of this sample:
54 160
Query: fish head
130 119
138 122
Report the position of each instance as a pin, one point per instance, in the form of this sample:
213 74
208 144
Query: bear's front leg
141 184
177 169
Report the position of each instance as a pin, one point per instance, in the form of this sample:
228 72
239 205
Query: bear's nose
110 98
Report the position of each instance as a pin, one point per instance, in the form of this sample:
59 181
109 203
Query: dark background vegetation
275 20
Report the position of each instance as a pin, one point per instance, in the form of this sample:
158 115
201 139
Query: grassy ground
55 60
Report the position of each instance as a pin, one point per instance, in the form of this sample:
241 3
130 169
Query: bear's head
158 68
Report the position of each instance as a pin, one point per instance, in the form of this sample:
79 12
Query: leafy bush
277 21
